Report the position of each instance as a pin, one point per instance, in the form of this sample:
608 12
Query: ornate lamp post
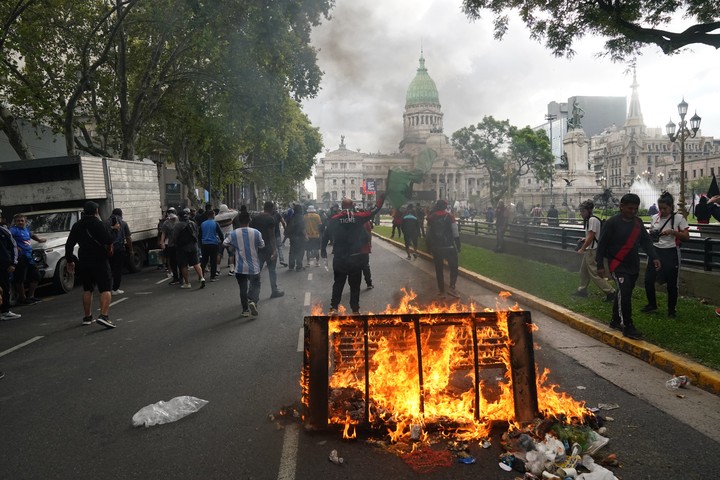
683 134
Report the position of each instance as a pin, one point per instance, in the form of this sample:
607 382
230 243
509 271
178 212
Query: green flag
399 186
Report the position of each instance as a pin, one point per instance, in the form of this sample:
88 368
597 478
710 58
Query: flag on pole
399 187
400 183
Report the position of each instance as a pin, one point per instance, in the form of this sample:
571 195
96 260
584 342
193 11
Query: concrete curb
673 363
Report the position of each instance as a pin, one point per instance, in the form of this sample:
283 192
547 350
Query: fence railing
701 251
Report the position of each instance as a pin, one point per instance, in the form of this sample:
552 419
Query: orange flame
445 395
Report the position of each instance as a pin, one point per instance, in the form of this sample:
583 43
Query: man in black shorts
95 246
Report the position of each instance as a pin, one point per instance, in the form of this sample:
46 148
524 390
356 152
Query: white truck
51 192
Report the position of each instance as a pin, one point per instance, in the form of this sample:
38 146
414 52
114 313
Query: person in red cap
443 239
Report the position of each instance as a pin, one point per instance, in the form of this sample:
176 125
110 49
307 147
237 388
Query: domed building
342 172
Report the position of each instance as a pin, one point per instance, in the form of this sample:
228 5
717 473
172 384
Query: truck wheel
136 259
63 281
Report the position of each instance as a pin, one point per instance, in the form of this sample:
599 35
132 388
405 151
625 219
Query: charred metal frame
520 345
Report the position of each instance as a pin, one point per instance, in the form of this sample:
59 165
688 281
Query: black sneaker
370 286
202 283
632 332
253 308
580 293
648 308
277 293
610 297
453 292
30 301
105 321
332 311
174 282
672 314
616 326
87 320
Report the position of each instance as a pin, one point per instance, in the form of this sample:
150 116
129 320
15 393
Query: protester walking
502 220
347 233
245 243
96 244
185 233
295 231
411 231
313 230
264 222
623 234
668 229
225 218
25 271
588 248
8 262
167 243
210 237
122 245
443 239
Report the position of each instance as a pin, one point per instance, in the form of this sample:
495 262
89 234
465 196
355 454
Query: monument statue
577 114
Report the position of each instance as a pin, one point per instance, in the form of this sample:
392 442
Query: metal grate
347 345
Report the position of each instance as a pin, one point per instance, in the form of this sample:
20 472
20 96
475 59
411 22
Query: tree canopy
504 152
628 25
200 83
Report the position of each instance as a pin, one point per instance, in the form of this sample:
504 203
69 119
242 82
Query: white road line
288 460
306 303
309 276
301 340
17 347
118 301
163 280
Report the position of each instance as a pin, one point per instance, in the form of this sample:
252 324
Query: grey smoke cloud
369 54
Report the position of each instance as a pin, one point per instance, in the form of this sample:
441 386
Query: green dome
422 89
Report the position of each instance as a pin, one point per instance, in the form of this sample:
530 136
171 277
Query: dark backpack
439 232
602 224
186 235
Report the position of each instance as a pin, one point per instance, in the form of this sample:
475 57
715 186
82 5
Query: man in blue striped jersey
246 243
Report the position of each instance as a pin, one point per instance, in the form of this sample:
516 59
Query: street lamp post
551 118
683 134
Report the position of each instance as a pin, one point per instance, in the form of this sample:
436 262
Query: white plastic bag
166 412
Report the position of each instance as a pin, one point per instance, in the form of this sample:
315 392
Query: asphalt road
70 392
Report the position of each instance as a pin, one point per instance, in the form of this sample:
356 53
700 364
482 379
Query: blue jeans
272 270
249 288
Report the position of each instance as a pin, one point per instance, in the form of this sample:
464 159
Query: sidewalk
699 375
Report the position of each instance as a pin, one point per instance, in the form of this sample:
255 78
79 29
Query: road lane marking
163 280
288 459
309 276
306 303
301 340
18 347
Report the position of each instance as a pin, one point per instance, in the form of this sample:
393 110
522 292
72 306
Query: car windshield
51 222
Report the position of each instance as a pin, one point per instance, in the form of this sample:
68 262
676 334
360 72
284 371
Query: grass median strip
695 332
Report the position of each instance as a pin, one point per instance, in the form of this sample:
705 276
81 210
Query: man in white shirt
588 267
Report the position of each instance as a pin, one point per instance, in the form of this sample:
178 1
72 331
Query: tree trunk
9 125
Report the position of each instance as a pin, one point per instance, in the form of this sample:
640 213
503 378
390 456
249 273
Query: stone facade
342 171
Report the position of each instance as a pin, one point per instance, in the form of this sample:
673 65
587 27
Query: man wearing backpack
588 267
185 234
122 242
443 239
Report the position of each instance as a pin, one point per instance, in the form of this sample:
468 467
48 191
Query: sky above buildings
369 54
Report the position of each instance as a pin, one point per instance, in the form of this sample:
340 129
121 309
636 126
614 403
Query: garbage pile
553 449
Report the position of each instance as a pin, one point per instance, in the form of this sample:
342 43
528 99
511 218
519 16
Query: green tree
628 25
506 153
